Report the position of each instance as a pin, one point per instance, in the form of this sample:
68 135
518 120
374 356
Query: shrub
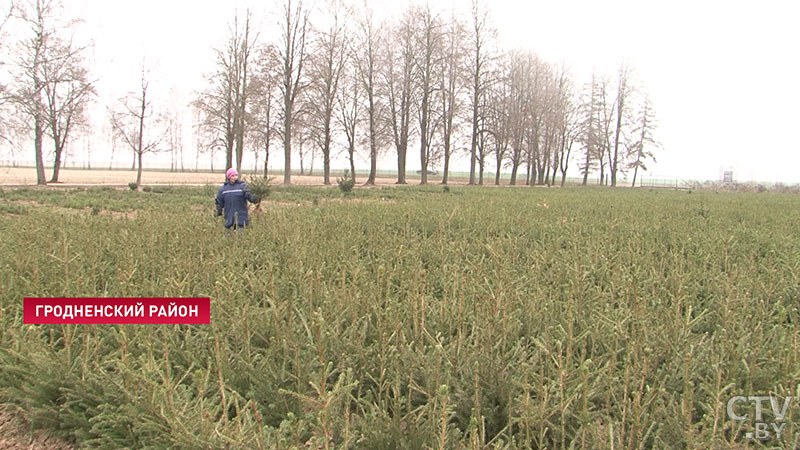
133 185
259 186
346 182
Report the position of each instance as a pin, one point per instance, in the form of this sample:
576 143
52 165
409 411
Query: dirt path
14 435
14 176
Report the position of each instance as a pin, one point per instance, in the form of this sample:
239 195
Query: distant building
727 176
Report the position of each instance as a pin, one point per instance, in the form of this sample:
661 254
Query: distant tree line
49 87
426 84
429 80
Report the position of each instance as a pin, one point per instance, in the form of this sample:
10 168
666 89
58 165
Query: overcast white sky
724 76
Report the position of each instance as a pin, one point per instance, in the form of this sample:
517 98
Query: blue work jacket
233 198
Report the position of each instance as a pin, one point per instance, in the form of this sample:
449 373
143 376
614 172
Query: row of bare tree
49 87
50 90
427 79
336 81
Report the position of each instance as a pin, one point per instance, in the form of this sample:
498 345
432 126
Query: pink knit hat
231 173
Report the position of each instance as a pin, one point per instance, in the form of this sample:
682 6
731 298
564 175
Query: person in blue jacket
232 197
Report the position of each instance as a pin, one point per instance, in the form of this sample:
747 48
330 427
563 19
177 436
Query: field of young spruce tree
408 318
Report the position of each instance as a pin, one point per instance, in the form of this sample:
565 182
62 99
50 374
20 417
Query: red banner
122 310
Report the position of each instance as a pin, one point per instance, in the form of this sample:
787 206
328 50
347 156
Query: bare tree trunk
56 165
325 70
373 149
615 159
265 131
431 50
399 87
481 160
540 161
479 37
239 154
423 145
401 165
38 133
139 172
514 168
622 94
266 161
326 160
499 161
528 171
373 145
311 164
349 99
37 144
38 128
293 56
352 164
240 48
450 83
586 169
474 141
287 145
602 174
302 155
544 175
446 162
229 142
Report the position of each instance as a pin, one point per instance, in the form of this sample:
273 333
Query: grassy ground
407 318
